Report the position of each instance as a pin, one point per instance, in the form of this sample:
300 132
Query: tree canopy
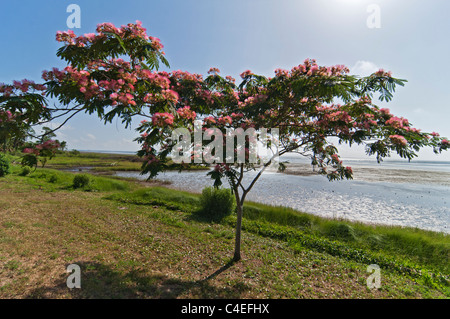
114 73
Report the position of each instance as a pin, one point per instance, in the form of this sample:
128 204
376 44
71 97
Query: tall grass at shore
413 246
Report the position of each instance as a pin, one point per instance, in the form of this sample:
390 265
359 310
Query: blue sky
260 35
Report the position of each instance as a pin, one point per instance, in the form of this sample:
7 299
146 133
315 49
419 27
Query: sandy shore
392 175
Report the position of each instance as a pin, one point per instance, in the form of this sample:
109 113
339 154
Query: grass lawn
139 241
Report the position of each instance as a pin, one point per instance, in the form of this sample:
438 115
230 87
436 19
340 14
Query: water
442 166
424 206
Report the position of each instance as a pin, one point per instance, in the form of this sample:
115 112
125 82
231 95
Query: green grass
98 162
53 180
421 246
133 241
414 252
159 196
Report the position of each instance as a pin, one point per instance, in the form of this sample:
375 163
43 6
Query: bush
30 160
53 179
216 203
4 165
25 171
81 180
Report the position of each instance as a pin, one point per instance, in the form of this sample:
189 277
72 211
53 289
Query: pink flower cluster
435 134
225 120
258 98
187 113
66 36
129 31
209 120
230 78
281 72
213 70
310 68
49 145
397 122
246 73
382 73
121 89
170 95
23 86
398 139
162 119
335 159
179 75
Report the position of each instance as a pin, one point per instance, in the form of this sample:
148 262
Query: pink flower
186 113
382 73
398 139
397 122
171 95
162 119
313 70
281 72
225 120
231 79
210 120
246 73
213 70
335 159
435 134
90 37
445 142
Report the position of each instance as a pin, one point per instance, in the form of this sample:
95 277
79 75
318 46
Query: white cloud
364 68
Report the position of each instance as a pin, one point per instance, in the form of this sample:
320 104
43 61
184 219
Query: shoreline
385 174
361 172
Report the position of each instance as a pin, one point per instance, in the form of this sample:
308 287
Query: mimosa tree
114 73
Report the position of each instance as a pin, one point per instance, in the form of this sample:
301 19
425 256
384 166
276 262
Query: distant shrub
53 179
216 203
25 171
4 166
81 180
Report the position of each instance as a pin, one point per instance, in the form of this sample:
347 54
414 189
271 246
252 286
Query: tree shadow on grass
99 281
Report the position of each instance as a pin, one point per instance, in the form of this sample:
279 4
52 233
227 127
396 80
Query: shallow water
419 205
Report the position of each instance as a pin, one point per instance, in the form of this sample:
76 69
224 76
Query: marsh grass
424 248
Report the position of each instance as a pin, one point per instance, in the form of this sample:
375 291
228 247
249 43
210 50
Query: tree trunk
237 246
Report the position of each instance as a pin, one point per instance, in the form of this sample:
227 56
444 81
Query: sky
407 37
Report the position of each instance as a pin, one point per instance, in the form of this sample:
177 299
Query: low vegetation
136 241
